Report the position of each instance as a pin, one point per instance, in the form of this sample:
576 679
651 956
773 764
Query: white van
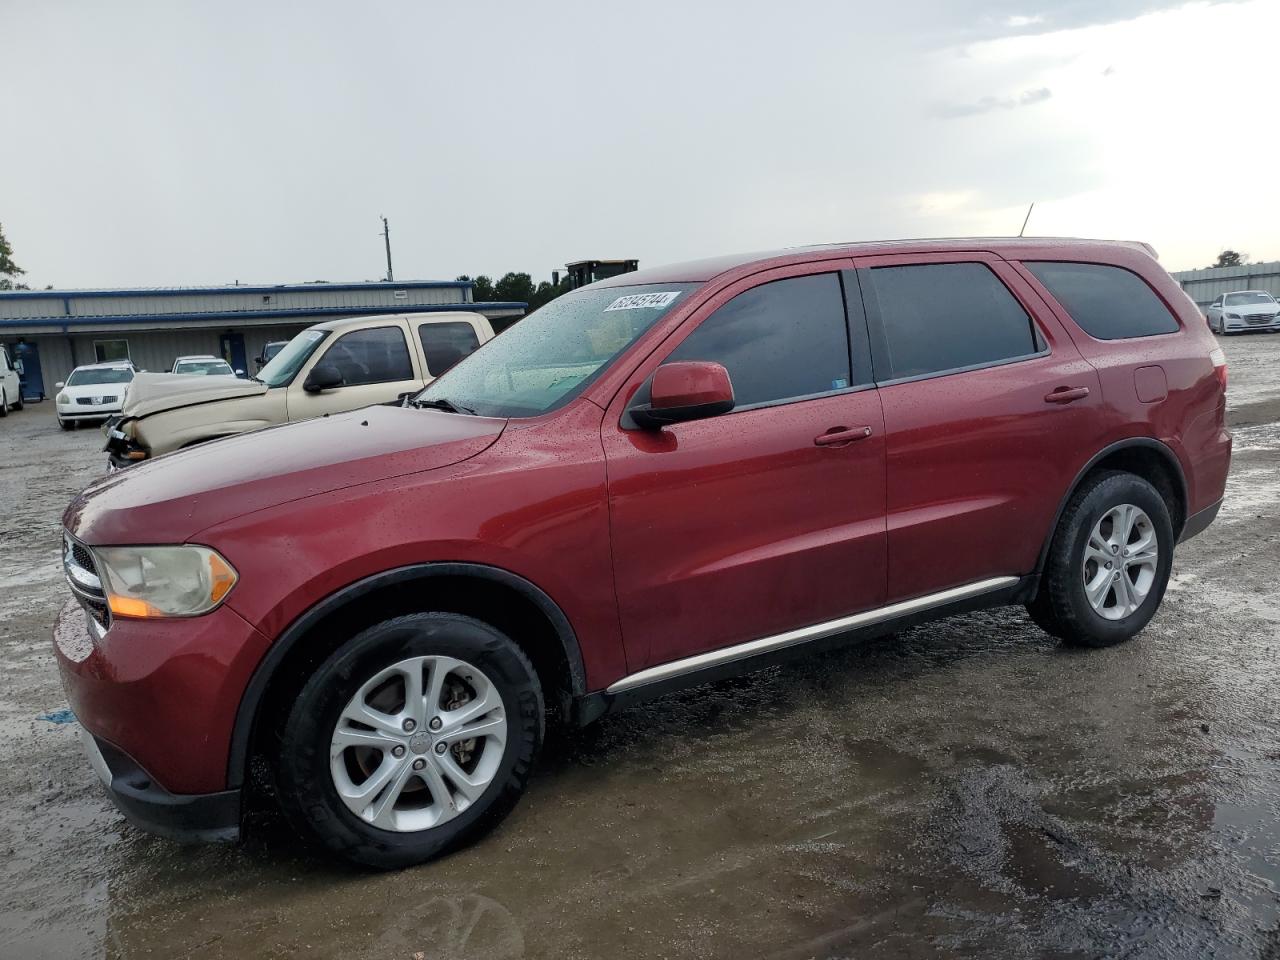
10 385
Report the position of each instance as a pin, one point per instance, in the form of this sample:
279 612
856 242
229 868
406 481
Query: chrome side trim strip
741 651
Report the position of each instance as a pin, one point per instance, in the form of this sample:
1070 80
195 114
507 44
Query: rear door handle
1066 395
839 436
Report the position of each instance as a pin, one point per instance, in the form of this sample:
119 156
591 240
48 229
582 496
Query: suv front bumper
158 700
187 818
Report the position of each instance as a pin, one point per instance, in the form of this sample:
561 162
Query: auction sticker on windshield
643 301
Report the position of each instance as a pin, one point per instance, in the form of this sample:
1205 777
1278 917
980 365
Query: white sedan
93 392
1243 310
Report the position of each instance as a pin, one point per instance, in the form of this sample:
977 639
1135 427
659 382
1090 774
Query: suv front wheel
1108 564
411 740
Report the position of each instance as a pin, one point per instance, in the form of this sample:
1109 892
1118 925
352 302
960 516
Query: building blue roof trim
204 291
230 317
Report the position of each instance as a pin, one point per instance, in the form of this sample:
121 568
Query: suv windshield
1240 299
284 366
80 378
550 356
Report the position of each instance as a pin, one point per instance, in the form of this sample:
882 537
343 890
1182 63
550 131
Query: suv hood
152 392
173 497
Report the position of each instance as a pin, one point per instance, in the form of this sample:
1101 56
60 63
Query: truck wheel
1108 564
411 740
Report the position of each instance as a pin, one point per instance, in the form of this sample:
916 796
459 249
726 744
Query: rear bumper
187 818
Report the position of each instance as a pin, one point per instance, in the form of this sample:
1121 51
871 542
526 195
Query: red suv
655 480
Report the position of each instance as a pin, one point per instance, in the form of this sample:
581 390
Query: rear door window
779 341
1108 303
444 344
940 317
377 355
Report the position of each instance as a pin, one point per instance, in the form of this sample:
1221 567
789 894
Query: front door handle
1066 395
839 436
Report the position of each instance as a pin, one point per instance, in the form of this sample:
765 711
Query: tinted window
444 344
780 340
1109 303
379 355
944 316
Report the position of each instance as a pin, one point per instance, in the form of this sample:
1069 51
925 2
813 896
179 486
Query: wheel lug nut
408 726
1108 564
419 764
436 723
397 752
441 747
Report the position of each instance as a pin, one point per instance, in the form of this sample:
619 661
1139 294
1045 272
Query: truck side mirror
323 376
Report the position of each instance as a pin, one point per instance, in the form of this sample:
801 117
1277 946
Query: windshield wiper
448 406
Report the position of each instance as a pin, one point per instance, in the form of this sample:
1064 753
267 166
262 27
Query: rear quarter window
1108 303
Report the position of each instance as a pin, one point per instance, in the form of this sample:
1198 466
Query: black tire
17 404
66 424
1061 607
4 405
303 778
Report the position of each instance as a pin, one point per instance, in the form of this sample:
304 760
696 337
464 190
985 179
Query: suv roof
696 271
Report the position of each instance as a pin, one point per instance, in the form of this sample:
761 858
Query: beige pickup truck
328 368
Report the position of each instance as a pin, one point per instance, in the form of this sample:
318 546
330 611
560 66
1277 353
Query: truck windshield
550 356
284 366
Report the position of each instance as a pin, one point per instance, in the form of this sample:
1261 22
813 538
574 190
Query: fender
1149 443
246 714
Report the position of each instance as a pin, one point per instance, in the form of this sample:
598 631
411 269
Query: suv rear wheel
1108 564
411 740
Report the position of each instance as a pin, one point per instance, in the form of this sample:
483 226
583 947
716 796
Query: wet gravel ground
966 788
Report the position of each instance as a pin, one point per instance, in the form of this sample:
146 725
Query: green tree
1230 258
8 269
514 286
481 288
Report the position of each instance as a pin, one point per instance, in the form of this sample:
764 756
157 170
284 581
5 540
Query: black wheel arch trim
1130 443
251 700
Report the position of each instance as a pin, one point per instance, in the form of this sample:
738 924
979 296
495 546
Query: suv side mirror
685 390
323 376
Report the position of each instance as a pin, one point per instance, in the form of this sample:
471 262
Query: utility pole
386 236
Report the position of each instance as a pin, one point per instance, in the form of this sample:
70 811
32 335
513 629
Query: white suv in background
10 385
1243 310
93 392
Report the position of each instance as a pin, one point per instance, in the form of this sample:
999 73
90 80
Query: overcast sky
188 143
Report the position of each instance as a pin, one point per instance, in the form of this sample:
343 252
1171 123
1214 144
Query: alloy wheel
418 744
1120 561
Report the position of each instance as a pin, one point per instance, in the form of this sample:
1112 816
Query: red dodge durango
655 480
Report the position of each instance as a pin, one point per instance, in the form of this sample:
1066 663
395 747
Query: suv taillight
1219 365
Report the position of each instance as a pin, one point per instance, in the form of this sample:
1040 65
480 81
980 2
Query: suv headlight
150 582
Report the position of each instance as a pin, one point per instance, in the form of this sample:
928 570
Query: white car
1244 310
10 385
204 366
93 392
